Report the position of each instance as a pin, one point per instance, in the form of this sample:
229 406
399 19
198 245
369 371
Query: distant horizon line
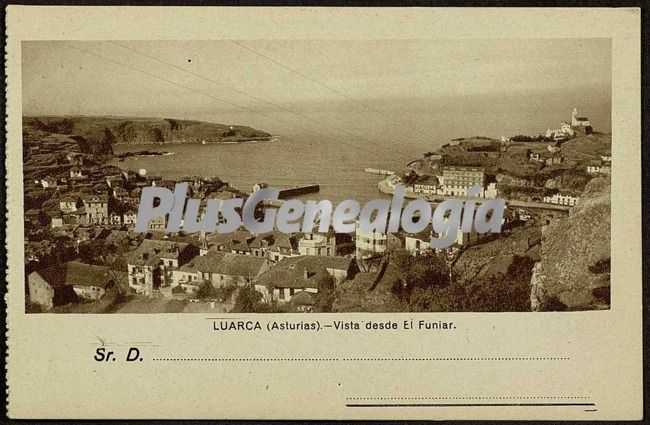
131 117
448 98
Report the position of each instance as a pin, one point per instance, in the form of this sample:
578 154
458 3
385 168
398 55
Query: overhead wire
194 90
333 90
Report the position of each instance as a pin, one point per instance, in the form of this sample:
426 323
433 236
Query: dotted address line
362 359
471 398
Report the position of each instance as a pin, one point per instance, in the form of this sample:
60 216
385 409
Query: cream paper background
51 372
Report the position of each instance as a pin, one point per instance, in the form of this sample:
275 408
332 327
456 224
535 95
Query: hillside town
83 256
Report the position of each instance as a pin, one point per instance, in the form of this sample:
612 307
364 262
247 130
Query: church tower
574 118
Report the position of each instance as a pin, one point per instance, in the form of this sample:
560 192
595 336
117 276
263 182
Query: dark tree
248 300
206 290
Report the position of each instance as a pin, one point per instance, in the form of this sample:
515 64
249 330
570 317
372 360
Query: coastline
180 142
387 188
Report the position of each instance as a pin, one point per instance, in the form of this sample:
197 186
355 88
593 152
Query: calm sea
335 156
286 162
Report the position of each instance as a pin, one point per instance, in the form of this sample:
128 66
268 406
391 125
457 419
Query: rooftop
303 298
275 239
424 235
76 273
238 238
463 168
226 263
302 271
428 180
150 251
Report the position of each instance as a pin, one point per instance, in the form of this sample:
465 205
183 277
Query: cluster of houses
563 133
600 167
373 244
456 180
283 268
566 130
561 199
275 264
97 205
553 158
420 243
68 282
117 200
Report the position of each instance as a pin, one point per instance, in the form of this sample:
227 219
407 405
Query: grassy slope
148 130
578 152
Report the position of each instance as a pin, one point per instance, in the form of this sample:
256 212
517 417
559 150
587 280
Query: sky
255 80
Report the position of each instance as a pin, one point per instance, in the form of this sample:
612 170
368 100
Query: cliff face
123 130
573 273
493 258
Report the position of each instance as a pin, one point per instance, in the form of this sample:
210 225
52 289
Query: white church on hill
566 130
577 121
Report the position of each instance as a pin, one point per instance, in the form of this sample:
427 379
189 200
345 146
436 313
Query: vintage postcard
320 213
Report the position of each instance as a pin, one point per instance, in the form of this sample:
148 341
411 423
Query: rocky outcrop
135 130
493 258
573 273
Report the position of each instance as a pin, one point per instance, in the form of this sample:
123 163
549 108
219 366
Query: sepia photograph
526 121
321 213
